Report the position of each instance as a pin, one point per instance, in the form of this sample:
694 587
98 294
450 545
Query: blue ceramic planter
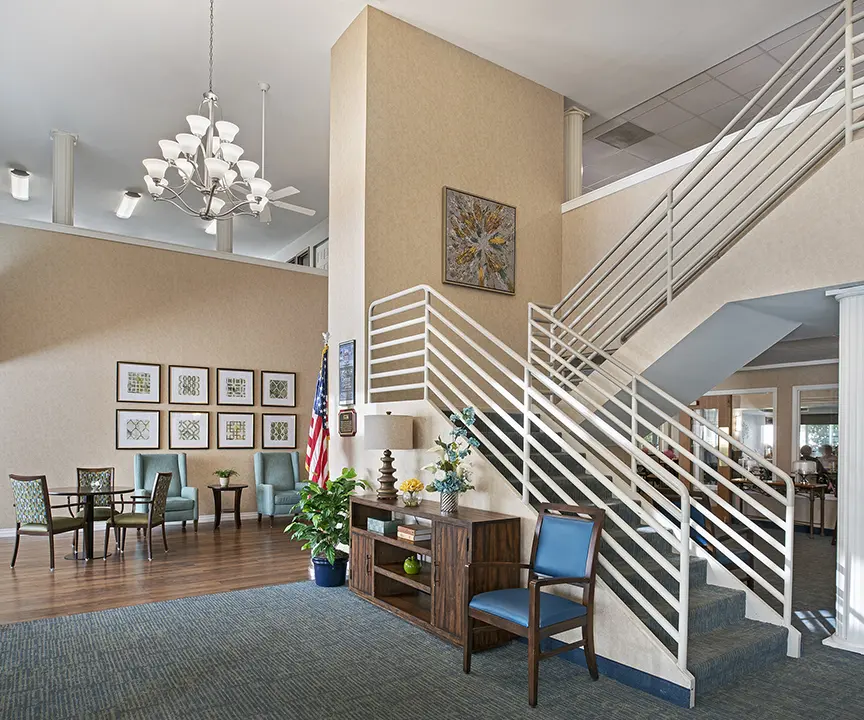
327 575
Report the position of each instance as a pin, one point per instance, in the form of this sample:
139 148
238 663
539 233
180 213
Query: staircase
723 645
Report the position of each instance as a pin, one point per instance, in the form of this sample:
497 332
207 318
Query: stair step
726 654
698 577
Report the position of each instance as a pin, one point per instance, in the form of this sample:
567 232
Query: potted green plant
450 477
225 476
321 523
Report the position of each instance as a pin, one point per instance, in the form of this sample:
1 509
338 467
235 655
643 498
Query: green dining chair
97 479
145 521
33 513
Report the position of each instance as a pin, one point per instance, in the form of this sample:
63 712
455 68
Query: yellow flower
411 485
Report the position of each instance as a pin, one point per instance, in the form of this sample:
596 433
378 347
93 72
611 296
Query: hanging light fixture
201 172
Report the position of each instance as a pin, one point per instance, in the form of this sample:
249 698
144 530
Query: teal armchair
277 483
182 502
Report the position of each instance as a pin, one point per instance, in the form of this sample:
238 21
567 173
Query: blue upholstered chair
277 483
566 541
182 502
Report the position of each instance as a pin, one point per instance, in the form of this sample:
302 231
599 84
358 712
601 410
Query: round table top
232 486
83 492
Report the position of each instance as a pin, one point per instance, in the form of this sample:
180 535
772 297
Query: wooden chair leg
533 668
75 544
107 538
271 521
165 538
590 655
51 550
259 518
15 549
184 525
123 541
149 533
195 525
467 644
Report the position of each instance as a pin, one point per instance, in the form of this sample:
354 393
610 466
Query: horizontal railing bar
671 600
397 326
400 356
397 311
394 373
396 388
395 296
397 341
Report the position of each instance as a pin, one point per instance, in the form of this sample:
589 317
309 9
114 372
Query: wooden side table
217 502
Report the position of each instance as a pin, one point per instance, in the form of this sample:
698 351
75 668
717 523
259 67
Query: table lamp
388 432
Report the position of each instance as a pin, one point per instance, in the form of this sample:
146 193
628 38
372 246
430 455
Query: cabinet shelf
422 581
417 606
421 548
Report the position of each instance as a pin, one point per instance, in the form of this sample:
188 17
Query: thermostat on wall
347 422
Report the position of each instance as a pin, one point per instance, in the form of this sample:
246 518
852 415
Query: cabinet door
449 555
361 563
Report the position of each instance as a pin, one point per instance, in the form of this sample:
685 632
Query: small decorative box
382 527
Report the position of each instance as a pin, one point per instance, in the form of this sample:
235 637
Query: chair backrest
97 479
279 469
159 496
30 493
147 466
566 541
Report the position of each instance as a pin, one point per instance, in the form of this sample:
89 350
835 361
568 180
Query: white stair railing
421 345
732 183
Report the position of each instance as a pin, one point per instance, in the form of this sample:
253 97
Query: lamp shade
389 432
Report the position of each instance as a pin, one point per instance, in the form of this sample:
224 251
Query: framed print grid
278 431
235 387
137 430
188 385
347 372
277 388
188 430
235 430
139 382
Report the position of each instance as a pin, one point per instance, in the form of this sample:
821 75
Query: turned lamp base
387 481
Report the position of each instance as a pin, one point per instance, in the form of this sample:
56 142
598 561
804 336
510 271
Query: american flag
319 430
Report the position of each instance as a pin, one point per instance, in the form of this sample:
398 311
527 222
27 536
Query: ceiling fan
275 196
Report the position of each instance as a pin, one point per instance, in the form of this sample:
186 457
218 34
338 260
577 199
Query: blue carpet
298 651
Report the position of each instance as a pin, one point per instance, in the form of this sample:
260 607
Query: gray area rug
298 651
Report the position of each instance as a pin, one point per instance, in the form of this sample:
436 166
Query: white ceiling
123 75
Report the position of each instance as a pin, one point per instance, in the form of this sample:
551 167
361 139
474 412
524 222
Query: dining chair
96 479
145 521
564 552
33 513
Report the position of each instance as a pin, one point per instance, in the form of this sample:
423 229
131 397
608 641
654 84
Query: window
301 258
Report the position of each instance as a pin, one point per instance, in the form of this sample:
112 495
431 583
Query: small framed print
188 430
277 388
236 430
279 431
139 382
137 430
235 387
188 385
346 372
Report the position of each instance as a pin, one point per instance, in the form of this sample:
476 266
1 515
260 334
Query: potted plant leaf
321 523
225 476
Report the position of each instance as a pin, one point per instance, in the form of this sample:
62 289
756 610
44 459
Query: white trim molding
780 366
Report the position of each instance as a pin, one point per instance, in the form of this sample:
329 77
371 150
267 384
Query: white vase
224 481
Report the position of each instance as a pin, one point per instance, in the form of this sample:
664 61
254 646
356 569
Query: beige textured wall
72 306
410 114
784 379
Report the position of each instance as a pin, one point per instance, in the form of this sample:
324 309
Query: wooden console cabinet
434 599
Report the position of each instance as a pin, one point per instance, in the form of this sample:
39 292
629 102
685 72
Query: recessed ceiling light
20 182
127 204
210 228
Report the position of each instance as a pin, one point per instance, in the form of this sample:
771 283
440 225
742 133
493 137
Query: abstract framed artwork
235 430
139 382
479 242
235 387
188 385
188 430
278 431
277 388
137 430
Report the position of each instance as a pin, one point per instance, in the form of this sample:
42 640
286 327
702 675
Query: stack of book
414 533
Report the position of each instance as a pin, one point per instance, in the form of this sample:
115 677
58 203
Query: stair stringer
620 636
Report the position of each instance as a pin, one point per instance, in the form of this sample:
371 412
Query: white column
850 502
225 235
63 171
573 118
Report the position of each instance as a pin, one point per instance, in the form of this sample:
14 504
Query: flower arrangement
411 485
450 476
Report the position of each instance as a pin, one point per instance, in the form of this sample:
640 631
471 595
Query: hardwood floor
197 564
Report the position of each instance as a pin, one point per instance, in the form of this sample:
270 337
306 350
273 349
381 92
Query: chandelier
210 180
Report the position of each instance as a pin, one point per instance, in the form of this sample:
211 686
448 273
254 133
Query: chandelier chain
211 44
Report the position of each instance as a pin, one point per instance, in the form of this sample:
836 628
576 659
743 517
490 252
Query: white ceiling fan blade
265 216
283 193
294 208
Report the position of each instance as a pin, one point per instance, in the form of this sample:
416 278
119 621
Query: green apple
412 565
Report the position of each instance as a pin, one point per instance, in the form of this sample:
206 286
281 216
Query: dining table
87 497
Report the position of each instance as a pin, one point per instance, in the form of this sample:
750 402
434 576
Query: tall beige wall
783 380
72 306
411 114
